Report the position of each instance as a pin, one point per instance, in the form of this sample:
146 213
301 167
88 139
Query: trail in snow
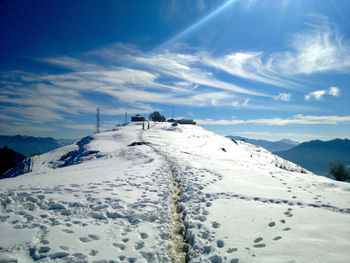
179 249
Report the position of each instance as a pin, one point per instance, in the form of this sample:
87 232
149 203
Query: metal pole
98 120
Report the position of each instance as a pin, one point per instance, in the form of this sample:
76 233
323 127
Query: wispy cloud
80 126
23 128
190 68
321 49
297 119
249 65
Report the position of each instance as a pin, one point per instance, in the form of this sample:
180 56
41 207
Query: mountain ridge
316 155
30 145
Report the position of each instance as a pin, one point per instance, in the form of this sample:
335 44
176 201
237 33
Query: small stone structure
138 117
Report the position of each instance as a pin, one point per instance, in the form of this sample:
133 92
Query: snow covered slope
113 197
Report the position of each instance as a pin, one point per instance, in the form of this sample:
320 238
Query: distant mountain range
28 145
316 155
281 145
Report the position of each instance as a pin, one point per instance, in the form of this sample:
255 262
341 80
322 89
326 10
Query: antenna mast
97 120
126 117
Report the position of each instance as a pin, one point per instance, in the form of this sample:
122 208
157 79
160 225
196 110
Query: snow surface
107 199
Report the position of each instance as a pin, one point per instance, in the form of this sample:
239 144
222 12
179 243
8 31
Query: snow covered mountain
171 194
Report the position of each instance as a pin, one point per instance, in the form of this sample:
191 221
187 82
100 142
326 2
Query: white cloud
333 91
283 96
187 68
321 49
34 114
7 117
80 126
248 65
238 104
317 95
24 128
72 63
297 119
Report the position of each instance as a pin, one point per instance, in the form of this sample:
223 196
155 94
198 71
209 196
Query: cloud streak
297 119
321 49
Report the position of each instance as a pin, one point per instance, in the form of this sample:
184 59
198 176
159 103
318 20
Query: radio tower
97 120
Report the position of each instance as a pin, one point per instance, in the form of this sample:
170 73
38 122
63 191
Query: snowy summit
171 194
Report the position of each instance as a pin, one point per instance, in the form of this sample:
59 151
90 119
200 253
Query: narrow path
179 250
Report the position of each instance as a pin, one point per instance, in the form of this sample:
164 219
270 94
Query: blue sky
260 69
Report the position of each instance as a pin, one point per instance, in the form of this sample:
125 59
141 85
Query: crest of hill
191 139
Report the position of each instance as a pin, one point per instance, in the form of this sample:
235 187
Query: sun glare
196 25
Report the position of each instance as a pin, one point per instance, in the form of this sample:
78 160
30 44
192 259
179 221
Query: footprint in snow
65 248
45 242
257 240
94 237
79 255
216 225
277 238
139 245
144 235
259 245
120 246
272 224
93 252
220 244
85 239
230 250
288 213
